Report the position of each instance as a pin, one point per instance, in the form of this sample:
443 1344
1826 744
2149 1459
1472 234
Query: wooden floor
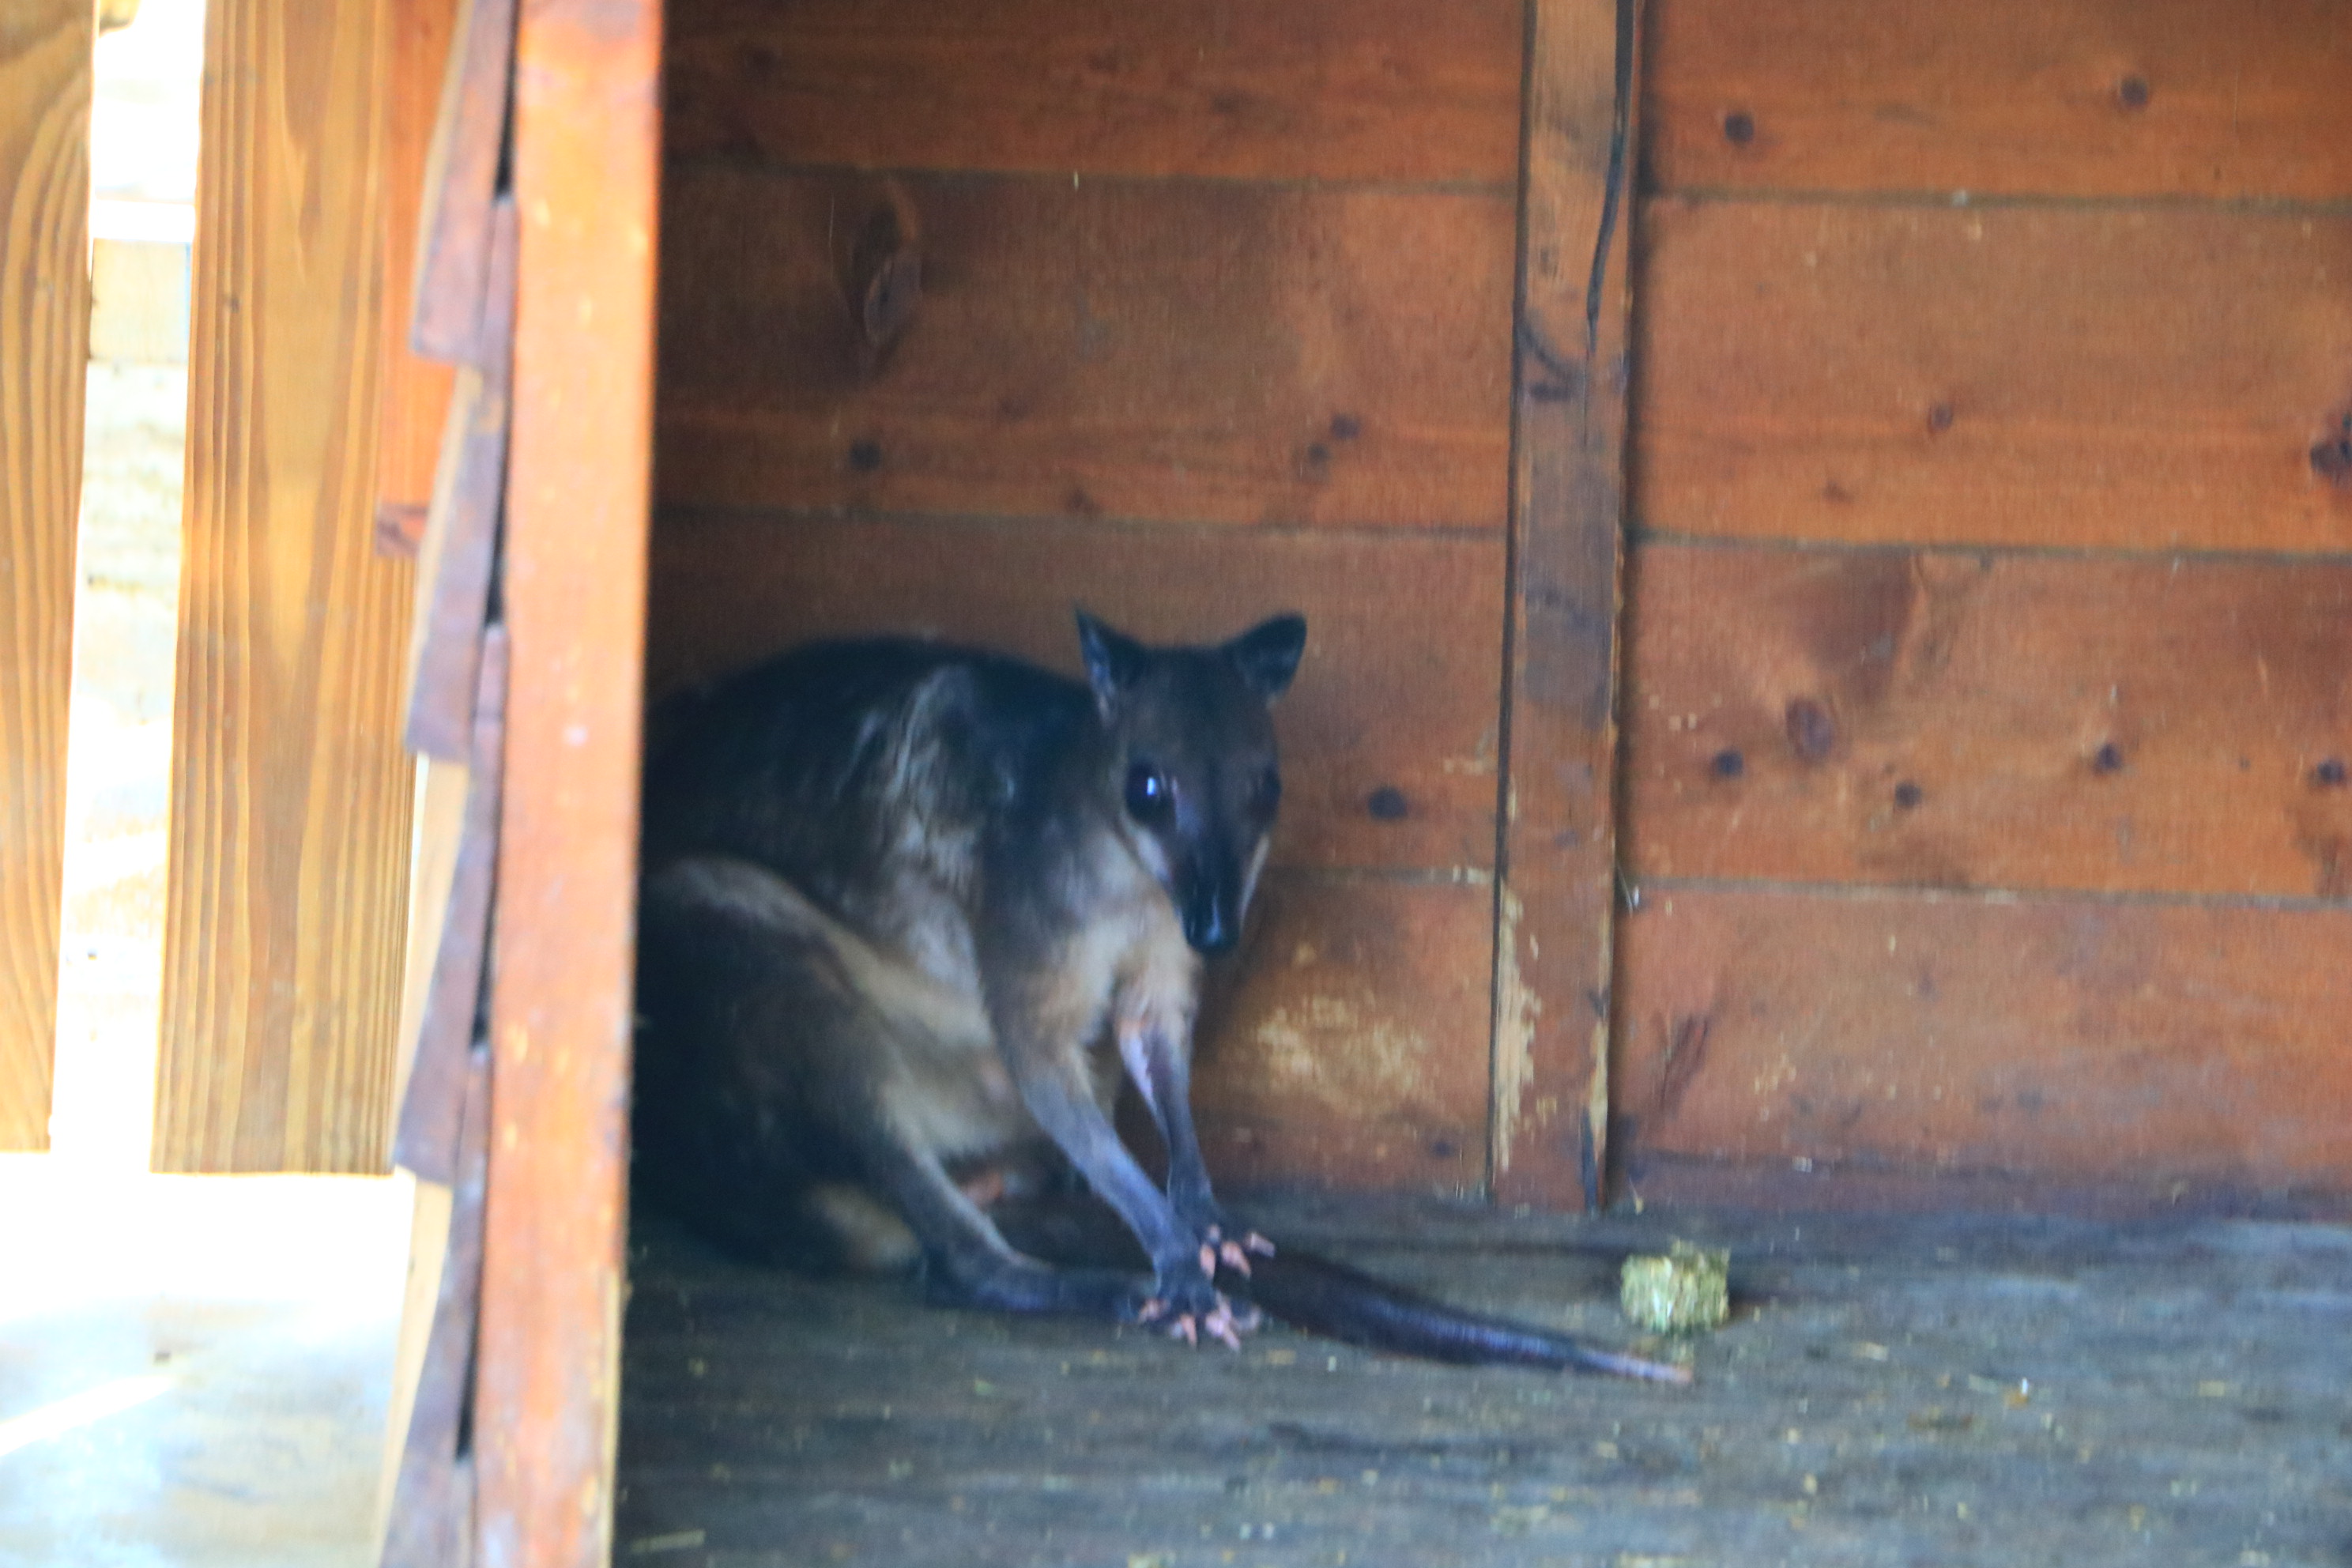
1941 1391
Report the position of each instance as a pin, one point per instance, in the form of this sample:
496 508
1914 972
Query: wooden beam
1178 351
458 555
1395 91
430 1523
587 182
2120 724
1557 864
2102 99
2194 1048
45 91
290 794
426 1138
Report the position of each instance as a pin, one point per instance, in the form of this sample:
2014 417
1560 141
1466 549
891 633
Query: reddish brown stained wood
1957 720
399 530
2145 378
1557 874
1388 736
2095 98
432 1517
428 1140
459 551
1298 90
290 800
416 397
461 173
2069 1040
44 74
1350 1050
587 179
1205 352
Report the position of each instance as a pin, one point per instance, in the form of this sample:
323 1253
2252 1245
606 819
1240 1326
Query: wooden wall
1988 716
290 793
1214 320
45 93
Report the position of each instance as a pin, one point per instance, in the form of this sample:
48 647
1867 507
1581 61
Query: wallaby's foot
1189 1305
1234 1253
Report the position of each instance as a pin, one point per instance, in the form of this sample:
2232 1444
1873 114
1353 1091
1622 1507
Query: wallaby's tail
1346 1304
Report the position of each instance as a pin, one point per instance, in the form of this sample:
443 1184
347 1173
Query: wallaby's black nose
1210 928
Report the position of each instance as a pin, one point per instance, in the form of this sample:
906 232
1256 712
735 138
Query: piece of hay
1686 1291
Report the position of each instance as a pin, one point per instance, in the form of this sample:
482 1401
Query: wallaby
908 909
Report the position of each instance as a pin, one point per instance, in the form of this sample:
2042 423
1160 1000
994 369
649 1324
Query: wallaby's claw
1221 1325
1149 1310
1209 1259
1258 1245
1183 1329
1235 1256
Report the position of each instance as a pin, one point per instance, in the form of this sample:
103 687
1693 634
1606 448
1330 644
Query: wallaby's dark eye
1146 793
1268 793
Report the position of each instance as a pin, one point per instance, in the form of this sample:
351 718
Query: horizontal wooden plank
1212 353
1300 90
2155 379
1387 735
2091 98
1350 1050
1963 721
2071 1040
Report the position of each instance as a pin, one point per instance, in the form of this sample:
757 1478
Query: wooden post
1555 886
290 794
587 182
45 86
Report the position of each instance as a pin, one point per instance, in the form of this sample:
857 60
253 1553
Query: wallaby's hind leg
785 1057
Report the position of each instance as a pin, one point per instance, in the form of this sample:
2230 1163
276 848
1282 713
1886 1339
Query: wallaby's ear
1268 655
1113 661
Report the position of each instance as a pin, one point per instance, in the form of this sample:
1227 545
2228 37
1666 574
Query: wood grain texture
2151 378
1942 719
428 1140
587 176
2069 1040
290 794
461 177
416 390
1291 89
431 1519
1350 1049
1197 352
2093 98
45 91
1389 735
441 798
1557 871
457 561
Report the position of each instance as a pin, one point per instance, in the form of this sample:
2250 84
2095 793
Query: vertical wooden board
587 175
290 794
2093 97
2159 378
1388 736
1934 718
1557 868
2076 1042
45 91
416 390
1284 90
1174 350
1348 1049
